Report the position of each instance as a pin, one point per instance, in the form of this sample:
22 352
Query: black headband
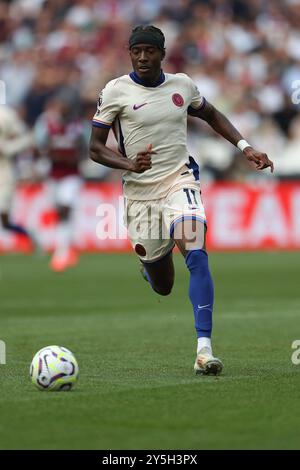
146 37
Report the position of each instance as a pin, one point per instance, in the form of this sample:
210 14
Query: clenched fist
142 161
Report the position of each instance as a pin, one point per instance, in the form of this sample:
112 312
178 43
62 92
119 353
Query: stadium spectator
244 55
288 162
59 135
14 138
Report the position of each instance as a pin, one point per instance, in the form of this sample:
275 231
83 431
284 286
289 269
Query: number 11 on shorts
191 194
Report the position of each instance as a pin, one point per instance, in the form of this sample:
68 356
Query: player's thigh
162 273
190 235
143 220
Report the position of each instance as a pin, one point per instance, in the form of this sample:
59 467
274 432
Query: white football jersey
13 139
11 127
142 115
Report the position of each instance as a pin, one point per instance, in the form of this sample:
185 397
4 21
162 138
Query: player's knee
164 289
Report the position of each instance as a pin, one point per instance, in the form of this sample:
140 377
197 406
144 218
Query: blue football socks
201 291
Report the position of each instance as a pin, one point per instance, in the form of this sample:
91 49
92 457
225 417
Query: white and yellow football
54 368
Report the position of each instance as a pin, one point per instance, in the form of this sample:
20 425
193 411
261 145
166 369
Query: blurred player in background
14 138
59 136
148 110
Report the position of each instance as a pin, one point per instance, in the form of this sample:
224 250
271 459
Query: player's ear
163 53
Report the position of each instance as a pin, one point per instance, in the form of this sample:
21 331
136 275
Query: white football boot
206 363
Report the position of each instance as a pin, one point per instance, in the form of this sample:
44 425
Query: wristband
242 144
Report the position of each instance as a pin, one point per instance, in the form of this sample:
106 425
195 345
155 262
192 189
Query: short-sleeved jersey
141 115
63 143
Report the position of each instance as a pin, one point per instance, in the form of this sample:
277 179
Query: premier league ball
54 368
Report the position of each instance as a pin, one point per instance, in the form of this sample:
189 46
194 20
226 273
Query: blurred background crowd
243 55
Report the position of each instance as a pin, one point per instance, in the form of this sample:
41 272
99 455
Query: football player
163 204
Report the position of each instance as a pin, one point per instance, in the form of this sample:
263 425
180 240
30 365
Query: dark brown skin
101 154
142 55
223 126
146 61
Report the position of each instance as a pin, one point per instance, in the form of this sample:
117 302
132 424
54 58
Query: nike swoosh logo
138 106
45 359
200 307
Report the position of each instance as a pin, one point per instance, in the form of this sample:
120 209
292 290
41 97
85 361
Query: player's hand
260 160
142 161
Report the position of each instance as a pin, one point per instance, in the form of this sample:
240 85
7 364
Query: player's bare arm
100 153
223 126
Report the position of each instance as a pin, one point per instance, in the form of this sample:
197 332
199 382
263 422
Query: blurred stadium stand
243 55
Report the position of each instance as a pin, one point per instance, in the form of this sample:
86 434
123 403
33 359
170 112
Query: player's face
146 61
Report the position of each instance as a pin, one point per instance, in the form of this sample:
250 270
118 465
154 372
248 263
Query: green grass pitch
137 388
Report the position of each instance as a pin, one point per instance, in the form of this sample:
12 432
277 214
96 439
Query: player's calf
160 274
161 289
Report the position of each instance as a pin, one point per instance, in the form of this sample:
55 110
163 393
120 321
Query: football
54 368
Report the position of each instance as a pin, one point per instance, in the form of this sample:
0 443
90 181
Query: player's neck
158 79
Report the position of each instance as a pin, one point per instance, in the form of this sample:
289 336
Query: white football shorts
65 191
150 224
